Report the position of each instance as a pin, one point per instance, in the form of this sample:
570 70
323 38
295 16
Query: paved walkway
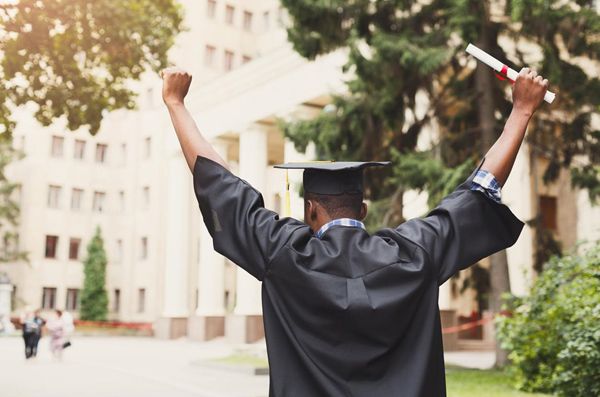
131 367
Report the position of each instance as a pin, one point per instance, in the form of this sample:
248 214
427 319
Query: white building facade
132 180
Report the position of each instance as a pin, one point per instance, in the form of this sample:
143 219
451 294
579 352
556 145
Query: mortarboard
330 177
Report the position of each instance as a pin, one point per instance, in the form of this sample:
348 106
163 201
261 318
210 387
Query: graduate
347 313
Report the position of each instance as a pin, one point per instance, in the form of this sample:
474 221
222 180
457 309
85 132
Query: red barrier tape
451 330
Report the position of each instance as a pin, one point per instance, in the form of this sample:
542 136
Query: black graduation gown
351 314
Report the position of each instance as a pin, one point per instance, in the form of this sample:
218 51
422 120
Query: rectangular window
117 301
121 201
49 298
144 248
548 211
101 150
229 13
211 9
54 196
209 56
247 21
266 21
79 149
76 199
141 300
123 154
99 202
228 60
119 251
148 147
146 197
57 146
74 244
246 59
72 299
51 244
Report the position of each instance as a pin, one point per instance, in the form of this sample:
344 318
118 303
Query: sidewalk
137 366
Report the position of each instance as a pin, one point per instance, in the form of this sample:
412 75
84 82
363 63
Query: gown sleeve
242 229
464 228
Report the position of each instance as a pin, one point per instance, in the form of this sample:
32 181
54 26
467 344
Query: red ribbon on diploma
503 72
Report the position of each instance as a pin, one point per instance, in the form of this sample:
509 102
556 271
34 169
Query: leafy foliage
73 58
400 49
9 207
554 333
94 299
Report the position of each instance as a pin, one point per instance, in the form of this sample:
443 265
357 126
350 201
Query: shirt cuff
486 183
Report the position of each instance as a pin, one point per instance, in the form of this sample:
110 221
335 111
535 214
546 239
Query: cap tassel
288 210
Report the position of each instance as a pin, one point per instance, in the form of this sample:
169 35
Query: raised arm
176 83
528 93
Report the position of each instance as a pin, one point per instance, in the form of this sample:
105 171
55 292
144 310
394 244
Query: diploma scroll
500 67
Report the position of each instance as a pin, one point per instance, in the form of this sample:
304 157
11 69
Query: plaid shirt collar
340 222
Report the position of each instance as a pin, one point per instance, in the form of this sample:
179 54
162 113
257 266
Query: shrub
554 333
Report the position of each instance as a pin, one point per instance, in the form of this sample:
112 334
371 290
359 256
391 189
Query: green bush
554 333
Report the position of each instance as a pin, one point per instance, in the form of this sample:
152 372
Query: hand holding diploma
501 68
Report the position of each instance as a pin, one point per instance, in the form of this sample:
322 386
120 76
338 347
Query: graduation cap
329 177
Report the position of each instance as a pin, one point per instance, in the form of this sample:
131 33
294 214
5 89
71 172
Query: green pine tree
400 49
94 299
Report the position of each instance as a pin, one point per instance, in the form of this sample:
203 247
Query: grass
476 383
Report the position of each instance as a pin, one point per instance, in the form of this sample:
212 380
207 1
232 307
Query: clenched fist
176 83
528 91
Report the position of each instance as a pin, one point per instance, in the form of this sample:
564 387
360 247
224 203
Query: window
72 299
211 8
148 147
49 298
101 153
548 212
53 196
228 60
74 244
123 154
266 21
229 11
146 197
209 56
121 201
17 194
117 301
246 59
79 149
57 146
99 202
119 251
76 199
144 248
141 300
247 21
51 243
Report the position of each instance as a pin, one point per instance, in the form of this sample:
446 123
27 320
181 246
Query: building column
245 325
209 319
291 155
173 321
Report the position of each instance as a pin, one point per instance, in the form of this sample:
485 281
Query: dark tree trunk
499 278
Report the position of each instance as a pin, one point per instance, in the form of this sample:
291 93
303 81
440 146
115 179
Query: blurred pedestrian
29 334
56 329
69 327
38 323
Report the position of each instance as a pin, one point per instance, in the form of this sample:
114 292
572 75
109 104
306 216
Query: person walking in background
38 323
56 329
29 335
69 327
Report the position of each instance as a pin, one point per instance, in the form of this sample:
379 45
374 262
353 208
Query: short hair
337 206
